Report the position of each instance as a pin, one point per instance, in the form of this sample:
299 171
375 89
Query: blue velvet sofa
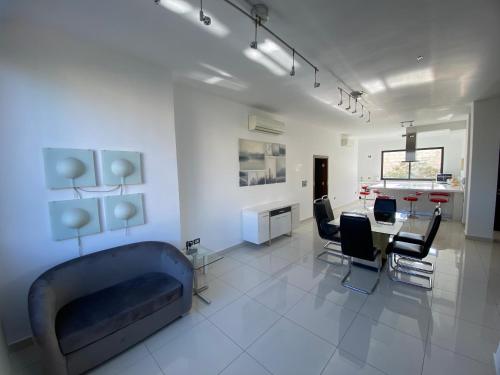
89 309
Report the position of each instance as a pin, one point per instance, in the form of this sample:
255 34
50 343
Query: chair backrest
321 216
356 239
432 230
385 209
328 207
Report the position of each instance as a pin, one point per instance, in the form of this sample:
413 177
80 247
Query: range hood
411 145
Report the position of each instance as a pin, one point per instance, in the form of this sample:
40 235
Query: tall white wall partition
483 167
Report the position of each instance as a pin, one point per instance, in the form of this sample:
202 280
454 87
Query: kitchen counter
400 189
418 186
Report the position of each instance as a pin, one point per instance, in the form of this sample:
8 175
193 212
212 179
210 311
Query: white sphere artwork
70 168
124 210
122 167
75 218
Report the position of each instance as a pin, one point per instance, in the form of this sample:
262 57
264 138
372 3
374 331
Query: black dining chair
416 238
328 232
406 252
384 210
357 242
328 207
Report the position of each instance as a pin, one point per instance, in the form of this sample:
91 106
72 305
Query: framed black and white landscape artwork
261 162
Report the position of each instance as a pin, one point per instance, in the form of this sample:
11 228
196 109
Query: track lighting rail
258 16
256 19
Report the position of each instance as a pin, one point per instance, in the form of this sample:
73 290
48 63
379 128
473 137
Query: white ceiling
361 41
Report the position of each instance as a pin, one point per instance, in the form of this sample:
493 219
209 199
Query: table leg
197 289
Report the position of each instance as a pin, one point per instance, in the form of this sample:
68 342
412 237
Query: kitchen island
400 189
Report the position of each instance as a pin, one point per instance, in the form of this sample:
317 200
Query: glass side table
202 258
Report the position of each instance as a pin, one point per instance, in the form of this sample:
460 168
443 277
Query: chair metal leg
333 252
352 287
414 260
394 267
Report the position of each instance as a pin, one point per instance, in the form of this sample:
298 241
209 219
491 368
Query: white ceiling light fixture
413 78
259 57
374 87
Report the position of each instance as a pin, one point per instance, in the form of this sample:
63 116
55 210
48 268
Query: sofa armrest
177 265
42 311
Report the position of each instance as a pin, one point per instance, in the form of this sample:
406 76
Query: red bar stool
412 199
439 198
363 195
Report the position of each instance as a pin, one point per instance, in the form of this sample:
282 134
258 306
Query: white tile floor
278 310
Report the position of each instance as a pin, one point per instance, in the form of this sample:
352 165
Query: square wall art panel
68 167
123 211
121 167
261 162
74 218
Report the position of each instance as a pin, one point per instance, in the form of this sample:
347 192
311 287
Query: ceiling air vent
267 125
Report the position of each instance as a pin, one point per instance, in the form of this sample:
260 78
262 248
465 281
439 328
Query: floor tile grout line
361 359
459 354
345 334
154 358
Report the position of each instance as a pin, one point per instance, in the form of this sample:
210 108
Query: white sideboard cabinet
264 222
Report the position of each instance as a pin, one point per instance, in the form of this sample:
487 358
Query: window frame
410 163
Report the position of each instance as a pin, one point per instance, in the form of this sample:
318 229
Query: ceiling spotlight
203 18
369 119
341 101
349 107
355 105
292 72
420 58
316 83
362 109
254 44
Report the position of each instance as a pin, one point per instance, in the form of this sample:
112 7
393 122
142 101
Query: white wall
483 167
207 130
454 143
56 91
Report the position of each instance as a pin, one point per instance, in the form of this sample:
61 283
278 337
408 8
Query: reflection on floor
278 310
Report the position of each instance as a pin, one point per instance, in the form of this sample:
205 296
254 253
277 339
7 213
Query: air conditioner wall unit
263 124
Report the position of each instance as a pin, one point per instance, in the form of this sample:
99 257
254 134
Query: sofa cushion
92 317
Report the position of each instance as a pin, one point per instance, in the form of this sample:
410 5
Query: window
429 163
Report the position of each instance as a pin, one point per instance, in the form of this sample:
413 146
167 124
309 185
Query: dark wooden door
320 177
497 209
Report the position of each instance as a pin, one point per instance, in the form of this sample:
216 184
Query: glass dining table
381 231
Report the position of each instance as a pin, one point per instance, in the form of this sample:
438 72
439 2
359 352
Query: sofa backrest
90 273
